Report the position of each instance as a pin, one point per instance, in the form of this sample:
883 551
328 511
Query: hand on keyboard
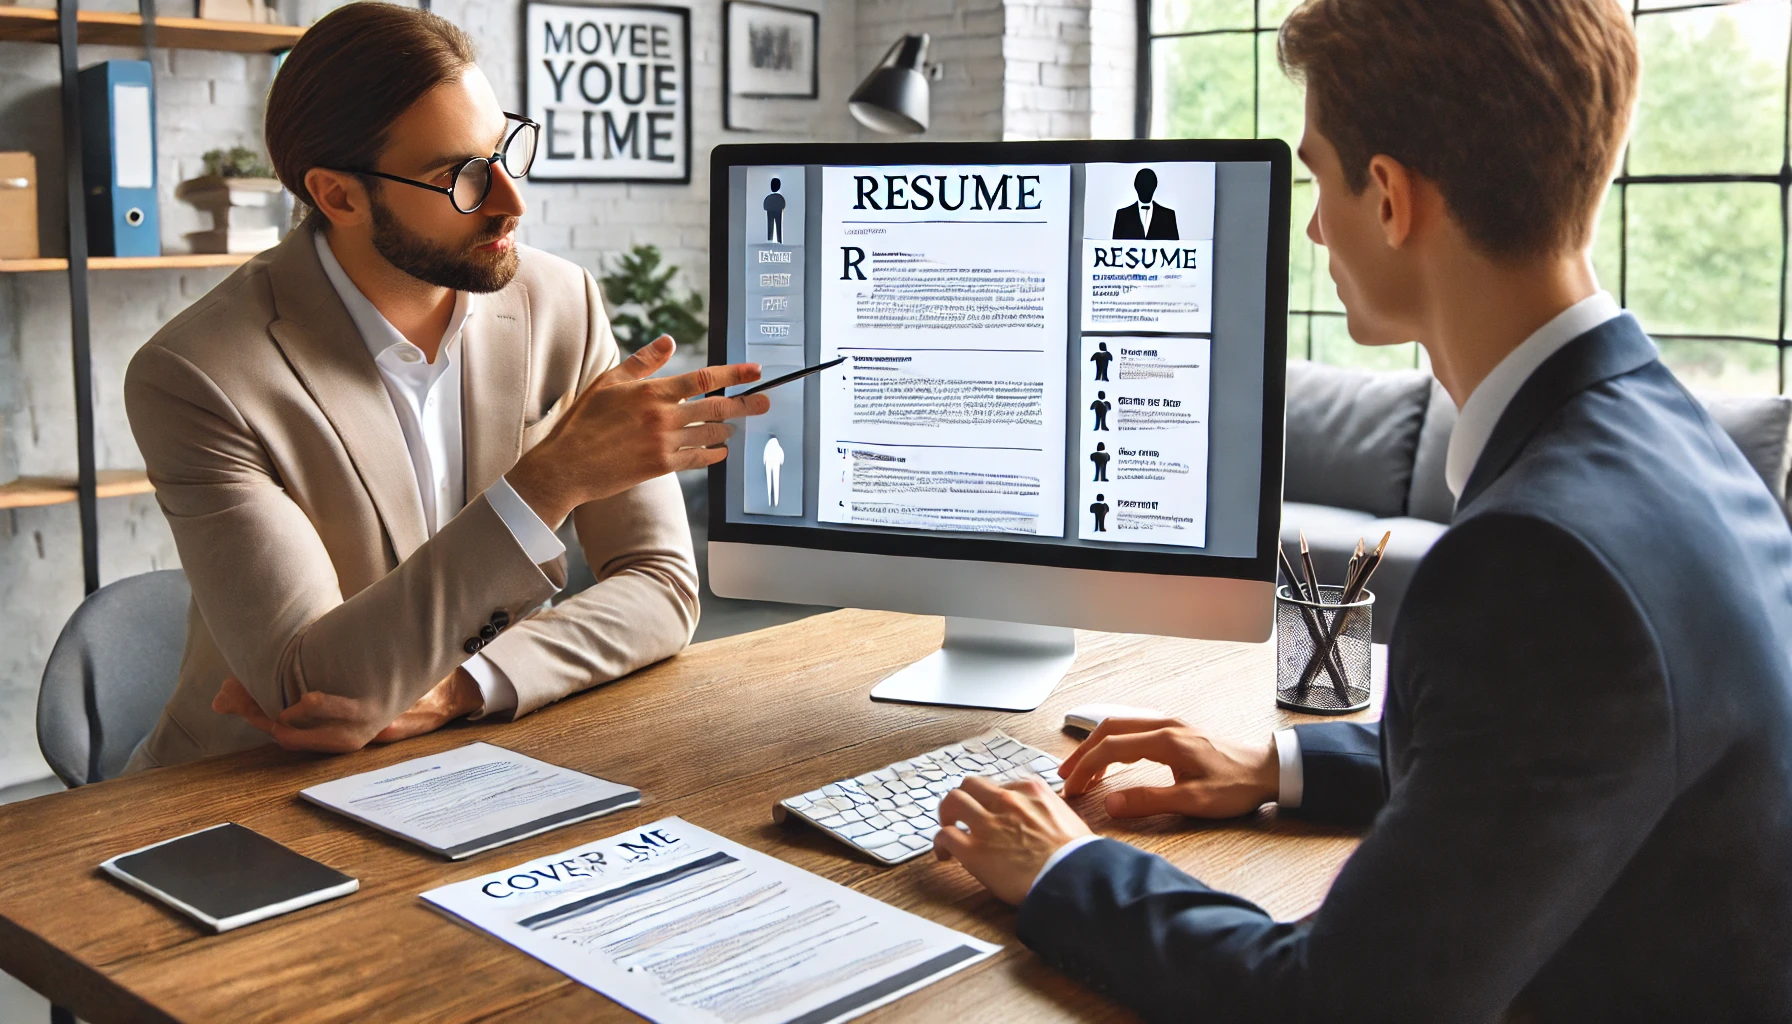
891 813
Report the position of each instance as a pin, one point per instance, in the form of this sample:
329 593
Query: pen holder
1296 623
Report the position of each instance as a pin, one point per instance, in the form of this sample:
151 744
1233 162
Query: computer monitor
1061 404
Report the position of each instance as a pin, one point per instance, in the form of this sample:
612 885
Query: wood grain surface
716 736
38 25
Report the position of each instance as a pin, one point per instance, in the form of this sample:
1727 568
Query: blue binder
118 141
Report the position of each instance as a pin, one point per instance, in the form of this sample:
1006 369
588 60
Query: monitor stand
1005 666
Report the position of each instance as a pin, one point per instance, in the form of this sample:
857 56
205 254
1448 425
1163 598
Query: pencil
1315 630
1352 592
1306 564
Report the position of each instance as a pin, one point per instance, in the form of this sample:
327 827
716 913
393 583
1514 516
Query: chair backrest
112 669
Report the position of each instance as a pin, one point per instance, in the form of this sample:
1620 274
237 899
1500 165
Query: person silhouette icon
774 214
1100 508
1101 359
773 457
1100 457
1145 220
1100 408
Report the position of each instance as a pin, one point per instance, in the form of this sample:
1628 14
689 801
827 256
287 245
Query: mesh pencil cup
1296 623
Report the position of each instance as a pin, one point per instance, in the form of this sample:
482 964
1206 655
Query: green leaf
646 303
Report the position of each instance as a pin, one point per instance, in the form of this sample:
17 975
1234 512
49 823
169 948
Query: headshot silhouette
1100 508
1145 220
774 214
1101 359
1100 407
1100 457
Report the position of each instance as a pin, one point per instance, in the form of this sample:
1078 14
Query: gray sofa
1365 455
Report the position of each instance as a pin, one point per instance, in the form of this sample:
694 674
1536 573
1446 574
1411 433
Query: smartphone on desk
228 876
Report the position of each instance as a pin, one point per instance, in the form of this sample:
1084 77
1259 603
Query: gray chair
112 669
1365 455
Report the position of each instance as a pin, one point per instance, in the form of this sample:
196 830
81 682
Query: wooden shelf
34 491
38 25
179 261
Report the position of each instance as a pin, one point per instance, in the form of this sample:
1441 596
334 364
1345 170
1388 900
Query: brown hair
350 76
1516 109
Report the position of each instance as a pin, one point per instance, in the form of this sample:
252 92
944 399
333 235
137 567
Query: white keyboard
892 813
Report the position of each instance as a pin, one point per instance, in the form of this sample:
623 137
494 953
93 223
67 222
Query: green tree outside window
1693 238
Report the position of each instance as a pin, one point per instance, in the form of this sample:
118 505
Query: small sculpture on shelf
243 197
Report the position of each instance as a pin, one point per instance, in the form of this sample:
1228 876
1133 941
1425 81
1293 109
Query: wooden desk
714 735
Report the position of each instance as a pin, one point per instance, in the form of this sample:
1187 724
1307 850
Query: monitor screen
1061 353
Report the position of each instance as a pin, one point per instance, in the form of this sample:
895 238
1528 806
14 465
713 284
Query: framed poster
610 84
768 52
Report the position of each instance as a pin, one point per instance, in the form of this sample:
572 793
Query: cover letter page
1144 439
947 286
1148 248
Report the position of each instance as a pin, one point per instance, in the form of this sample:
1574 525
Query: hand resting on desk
1015 829
331 724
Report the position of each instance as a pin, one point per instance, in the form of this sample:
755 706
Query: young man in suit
364 439
1579 796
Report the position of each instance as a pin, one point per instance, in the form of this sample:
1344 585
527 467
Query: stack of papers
471 799
684 927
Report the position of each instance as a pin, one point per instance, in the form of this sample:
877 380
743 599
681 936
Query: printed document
683 926
471 799
946 285
1144 439
1148 247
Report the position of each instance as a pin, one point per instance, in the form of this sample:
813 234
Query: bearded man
364 439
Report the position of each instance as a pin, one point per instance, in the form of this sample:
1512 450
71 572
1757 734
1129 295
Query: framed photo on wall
769 52
610 85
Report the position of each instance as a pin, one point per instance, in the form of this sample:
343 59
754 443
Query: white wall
1011 69
967 43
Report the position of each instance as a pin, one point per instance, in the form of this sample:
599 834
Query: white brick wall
1113 52
967 43
1069 69
204 100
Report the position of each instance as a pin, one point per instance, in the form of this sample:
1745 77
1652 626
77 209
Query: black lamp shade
894 98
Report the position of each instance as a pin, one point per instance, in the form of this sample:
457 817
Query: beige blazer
279 463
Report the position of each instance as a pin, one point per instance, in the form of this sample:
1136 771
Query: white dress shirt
427 399
1145 218
1474 427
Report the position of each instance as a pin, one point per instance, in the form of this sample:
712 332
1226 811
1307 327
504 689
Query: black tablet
228 876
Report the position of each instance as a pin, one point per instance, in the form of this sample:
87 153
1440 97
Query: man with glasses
365 438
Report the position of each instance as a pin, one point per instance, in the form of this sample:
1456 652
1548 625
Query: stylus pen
787 378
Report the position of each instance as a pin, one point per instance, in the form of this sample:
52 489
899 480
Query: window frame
1621 183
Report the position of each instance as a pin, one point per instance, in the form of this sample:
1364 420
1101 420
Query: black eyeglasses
471 181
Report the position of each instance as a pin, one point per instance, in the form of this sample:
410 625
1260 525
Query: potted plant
647 306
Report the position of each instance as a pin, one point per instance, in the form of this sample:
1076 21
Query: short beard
432 263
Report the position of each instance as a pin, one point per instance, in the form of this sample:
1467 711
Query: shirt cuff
537 540
494 686
1288 757
1063 851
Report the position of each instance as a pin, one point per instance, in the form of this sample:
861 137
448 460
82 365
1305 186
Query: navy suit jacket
1581 787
